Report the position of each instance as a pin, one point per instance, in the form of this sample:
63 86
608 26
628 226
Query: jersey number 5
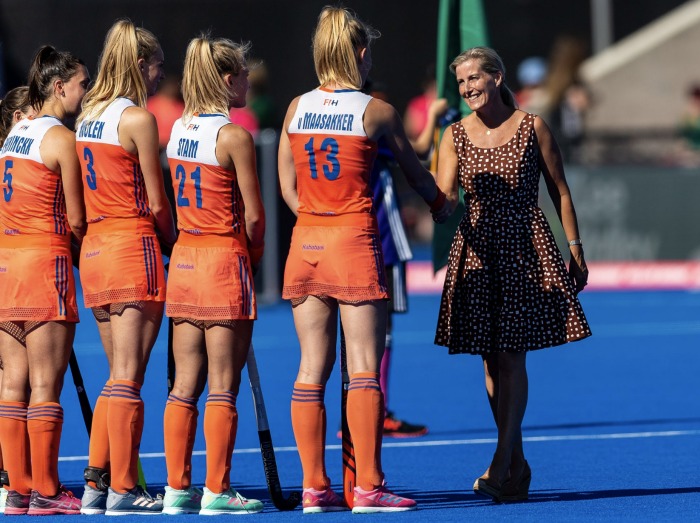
331 170
7 180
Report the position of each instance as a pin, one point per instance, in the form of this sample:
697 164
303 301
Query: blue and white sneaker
136 501
94 501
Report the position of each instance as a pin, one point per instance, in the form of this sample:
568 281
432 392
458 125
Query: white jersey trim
105 128
26 136
195 141
330 112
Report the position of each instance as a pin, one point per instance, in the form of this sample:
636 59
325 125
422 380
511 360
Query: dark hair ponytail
47 66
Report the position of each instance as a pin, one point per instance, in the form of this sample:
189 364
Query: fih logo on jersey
23 128
330 101
192 127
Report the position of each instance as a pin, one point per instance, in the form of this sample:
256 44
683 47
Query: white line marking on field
450 442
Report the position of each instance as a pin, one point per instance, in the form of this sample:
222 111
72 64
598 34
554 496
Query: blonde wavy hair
492 64
337 41
118 74
206 62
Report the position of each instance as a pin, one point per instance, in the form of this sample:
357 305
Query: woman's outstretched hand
578 271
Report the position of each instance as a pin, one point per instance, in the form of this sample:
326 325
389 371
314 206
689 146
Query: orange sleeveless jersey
335 249
33 195
332 154
36 277
112 178
207 196
210 276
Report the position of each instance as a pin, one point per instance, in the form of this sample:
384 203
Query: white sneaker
3 499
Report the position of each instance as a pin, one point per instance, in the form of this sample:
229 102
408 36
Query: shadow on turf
567 426
439 500
554 495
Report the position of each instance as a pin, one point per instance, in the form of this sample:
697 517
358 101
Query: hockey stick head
272 477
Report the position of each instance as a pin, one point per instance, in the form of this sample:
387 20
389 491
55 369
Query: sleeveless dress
507 288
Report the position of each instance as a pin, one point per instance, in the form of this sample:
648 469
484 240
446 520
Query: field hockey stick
349 471
80 389
86 409
266 449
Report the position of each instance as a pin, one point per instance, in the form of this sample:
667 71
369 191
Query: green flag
461 25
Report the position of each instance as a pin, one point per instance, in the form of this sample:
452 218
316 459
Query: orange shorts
335 256
210 279
120 261
36 279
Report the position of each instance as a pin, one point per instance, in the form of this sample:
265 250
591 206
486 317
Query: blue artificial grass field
612 430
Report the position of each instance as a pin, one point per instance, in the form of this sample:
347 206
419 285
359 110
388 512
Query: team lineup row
96 198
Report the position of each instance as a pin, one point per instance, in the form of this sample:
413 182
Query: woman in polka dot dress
507 290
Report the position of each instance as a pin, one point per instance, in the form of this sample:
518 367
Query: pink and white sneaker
16 503
315 501
62 503
380 500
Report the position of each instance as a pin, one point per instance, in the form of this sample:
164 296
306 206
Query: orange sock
179 427
44 424
125 426
309 424
365 413
220 426
15 444
98 456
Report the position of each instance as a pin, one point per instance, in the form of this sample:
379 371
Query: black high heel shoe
516 489
484 487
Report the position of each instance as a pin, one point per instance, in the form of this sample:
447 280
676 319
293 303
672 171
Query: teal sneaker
228 502
186 501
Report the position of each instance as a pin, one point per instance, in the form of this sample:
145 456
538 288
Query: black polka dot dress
507 288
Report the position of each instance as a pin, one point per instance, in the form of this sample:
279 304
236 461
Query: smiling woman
507 290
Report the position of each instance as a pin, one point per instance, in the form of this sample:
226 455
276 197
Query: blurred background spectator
531 75
566 99
260 101
416 116
167 106
690 121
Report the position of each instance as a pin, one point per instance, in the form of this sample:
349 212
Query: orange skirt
120 261
36 279
210 279
335 256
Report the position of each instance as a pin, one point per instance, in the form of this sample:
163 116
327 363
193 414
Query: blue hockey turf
612 430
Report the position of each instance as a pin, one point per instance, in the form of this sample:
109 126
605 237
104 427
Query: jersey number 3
91 176
331 170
